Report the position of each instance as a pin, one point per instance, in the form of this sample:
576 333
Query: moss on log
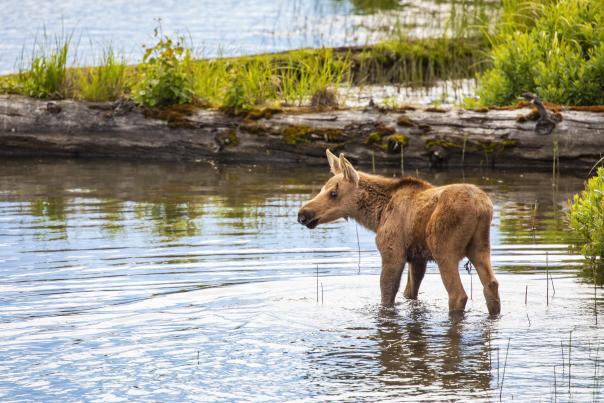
497 137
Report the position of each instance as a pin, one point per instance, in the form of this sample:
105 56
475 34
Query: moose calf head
337 197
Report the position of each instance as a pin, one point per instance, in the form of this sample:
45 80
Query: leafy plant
165 73
586 217
557 53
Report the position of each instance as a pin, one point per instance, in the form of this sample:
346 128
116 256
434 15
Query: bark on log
500 138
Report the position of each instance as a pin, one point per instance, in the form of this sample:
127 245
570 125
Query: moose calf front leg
393 262
390 278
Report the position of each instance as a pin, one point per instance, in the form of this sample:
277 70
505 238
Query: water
168 282
227 27
443 93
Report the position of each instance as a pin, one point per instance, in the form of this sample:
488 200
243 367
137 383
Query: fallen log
426 136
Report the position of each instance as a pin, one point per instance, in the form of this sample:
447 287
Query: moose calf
414 222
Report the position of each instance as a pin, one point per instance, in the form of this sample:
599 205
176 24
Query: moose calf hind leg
491 295
417 269
452 281
481 260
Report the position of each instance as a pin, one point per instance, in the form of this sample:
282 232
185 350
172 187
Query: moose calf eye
333 194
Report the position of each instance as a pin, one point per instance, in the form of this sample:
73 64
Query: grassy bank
550 47
168 73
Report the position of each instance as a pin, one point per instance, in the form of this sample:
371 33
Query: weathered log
501 138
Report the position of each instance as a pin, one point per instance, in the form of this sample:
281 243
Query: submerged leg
479 253
481 260
393 263
415 275
449 273
390 280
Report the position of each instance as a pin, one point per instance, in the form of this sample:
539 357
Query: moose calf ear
350 174
334 162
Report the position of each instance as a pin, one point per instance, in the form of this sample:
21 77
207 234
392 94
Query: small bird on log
545 124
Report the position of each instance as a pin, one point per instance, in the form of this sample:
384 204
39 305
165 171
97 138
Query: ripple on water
119 294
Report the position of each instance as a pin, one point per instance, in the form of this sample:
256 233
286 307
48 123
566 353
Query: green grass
169 75
552 47
46 76
239 84
420 62
104 82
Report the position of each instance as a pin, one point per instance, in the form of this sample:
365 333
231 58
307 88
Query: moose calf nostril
305 216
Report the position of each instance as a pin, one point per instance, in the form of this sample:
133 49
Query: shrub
165 74
559 54
586 217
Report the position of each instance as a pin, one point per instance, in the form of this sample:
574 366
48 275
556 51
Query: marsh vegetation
544 46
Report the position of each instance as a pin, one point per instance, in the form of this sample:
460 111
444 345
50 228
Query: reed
356 228
372 162
555 385
402 160
570 345
321 293
593 268
547 278
504 367
596 384
317 284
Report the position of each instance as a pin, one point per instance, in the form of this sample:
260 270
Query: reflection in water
174 201
373 6
592 272
127 272
171 220
446 356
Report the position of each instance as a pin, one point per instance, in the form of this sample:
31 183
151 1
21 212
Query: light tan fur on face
414 222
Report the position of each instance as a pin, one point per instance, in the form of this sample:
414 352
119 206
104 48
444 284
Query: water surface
226 27
167 282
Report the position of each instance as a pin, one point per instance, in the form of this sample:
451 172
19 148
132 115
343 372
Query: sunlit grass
290 78
46 75
105 81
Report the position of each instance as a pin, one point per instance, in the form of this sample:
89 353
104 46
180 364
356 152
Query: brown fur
414 222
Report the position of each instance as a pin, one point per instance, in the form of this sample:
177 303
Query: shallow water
442 93
167 282
227 27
